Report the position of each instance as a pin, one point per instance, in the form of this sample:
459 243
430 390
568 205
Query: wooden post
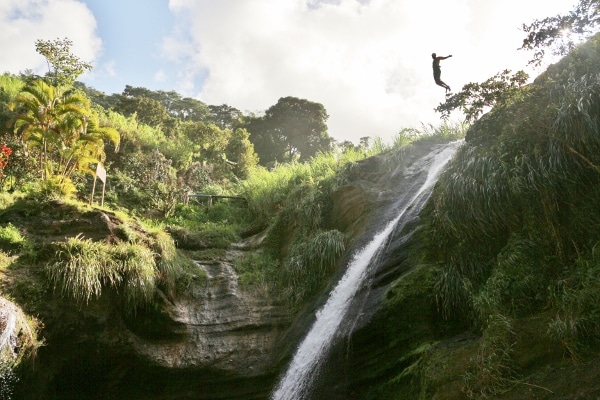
103 188
93 189
101 174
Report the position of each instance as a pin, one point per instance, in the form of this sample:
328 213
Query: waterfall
305 363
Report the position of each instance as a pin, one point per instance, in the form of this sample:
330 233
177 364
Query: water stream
295 384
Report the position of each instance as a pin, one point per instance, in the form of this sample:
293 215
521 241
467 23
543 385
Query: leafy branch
475 98
562 32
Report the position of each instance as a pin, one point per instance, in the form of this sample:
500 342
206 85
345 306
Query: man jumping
437 71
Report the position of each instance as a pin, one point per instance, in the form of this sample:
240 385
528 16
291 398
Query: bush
52 188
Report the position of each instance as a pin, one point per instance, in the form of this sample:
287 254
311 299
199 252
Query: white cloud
25 21
160 76
367 62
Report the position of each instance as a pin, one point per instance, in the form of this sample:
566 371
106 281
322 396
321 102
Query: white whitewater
304 365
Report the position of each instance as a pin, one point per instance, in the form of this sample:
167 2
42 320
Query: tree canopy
64 67
292 129
560 33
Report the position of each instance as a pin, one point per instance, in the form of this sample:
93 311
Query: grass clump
81 269
257 271
308 263
492 371
577 323
133 267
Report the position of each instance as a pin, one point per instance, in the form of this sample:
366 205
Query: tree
268 143
83 144
39 117
64 67
10 87
97 97
225 116
475 98
292 129
149 111
61 127
186 109
562 32
240 152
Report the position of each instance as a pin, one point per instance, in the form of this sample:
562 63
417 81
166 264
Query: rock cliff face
214 341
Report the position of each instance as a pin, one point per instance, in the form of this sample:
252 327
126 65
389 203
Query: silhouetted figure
437 71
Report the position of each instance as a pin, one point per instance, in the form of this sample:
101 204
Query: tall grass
309 262
79 269
132 268
577 322
268 191
444 132
492 371
82 269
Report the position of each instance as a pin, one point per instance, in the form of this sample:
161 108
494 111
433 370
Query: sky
367 61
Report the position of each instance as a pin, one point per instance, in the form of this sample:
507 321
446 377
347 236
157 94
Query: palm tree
84 144
37 120
63 127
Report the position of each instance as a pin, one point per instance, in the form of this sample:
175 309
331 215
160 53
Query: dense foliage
513 222
293 129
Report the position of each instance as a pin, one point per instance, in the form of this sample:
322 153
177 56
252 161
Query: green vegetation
12 240
509 236
511 231
82 268
522 196
138 250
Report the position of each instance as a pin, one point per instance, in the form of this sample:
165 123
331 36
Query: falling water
304 365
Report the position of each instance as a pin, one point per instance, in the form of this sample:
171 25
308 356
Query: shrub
54 187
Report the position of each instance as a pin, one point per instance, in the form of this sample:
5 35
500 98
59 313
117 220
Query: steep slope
494 294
